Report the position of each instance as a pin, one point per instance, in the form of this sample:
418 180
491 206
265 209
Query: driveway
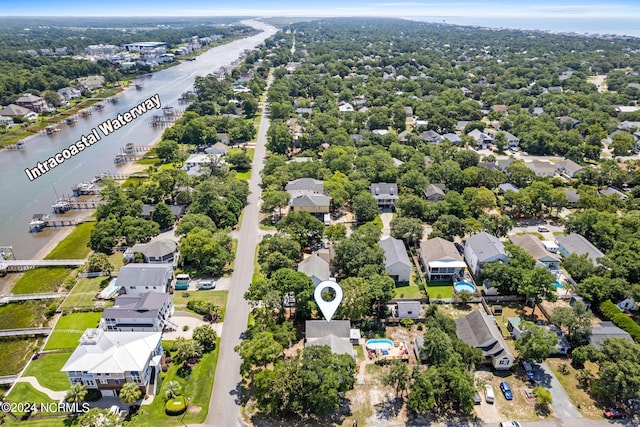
561 404
386 218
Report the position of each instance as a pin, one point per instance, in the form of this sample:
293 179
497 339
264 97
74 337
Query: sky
576 9
563 15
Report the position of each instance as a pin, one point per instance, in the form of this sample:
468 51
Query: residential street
224 408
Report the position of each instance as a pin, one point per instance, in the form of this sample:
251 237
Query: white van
488 393
204 285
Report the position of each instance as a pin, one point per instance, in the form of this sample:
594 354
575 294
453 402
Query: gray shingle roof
384 190
607 330
394 252
316 329
305 184
438 249
157 248
316 268
576 244
143 306
310 199
479 330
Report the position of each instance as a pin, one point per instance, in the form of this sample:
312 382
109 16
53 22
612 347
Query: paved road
561 403
224 407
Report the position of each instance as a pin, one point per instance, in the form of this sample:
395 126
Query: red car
611 413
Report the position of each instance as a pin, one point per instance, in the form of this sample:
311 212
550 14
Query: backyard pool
110 291
557 285
379 344
464 287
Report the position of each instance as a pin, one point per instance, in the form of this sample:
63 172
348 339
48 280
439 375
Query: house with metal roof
316 268
106 361
480 330
482 248
137 279
607 330
576 244
386 194
441 259
310 202
335 334
146 312
396 259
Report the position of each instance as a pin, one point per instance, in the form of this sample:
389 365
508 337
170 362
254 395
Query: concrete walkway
54 395
386 218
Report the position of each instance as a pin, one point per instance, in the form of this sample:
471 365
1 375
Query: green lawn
440 289
47 369
74 246
70 328
244 175
197 387
82 293
23 393
219 298
17 352
45 279
27 314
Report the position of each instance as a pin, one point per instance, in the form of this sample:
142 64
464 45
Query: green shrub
175 406
407 322
621 320
51 310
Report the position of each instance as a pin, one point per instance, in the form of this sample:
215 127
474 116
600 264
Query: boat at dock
49 130
38 222
85 113
72 120
61 205
85 188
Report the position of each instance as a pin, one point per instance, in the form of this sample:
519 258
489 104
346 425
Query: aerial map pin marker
328 308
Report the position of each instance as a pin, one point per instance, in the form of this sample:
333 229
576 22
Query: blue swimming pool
379 344
557 285
464 287
110 291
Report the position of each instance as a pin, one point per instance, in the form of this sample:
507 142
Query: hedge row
613 313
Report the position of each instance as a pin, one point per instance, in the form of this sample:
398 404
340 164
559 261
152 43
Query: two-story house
482 248
106 361
147 312
137 279
534 247
386 194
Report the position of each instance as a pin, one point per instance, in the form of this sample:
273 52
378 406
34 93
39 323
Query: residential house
483 140
576 244
606 330
223 137
197 160
178 211
627 304
345 107
562 347
512 140
305 185
32 102
613 192
316 268
68 93
313 203
137 279
6 121
146 312
408 309
106 361
432 137
569 168
537 111
504 164
534 247
482 248
480 330
335 334
503 188
217 149
434 192
441 259
622 109
418 350
396 259
453 138
572 197
500 108
386 194
567 122
160 251
542 168
91 83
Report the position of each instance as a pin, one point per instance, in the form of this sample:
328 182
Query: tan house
32 102
534 247
310 202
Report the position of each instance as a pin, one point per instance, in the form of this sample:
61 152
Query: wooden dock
17 265
6 299
24 332
55 223
121 177
67 204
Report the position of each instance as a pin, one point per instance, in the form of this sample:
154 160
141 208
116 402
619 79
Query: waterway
20 198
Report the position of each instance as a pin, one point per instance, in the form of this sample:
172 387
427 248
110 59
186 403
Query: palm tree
76 393
130 393
172 389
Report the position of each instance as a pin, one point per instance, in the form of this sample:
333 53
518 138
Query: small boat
99 106
71 120
85 113
51 130
139 86
61 206
38 222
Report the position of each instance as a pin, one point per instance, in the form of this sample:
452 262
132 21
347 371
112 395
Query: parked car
459 247
543 229
204 285
611 413
528 370
476 398
509 424
488 393
506 390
